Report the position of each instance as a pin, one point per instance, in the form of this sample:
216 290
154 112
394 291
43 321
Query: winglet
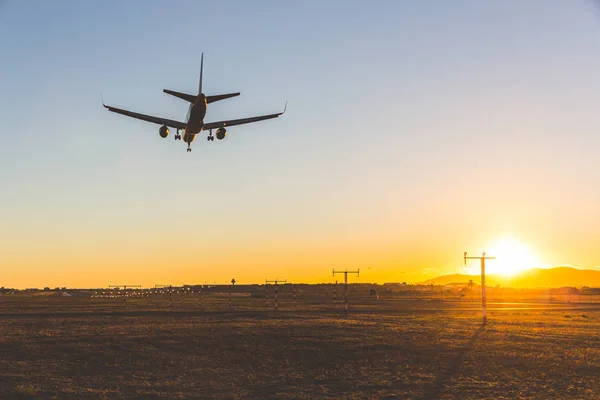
102 98
285 108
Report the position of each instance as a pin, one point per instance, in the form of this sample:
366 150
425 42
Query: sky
414 131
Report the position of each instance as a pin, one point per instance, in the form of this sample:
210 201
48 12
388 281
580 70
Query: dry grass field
73 348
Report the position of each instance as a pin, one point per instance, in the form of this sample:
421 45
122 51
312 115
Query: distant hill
533 278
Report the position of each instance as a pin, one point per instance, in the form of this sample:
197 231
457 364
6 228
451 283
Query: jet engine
221 133
163 131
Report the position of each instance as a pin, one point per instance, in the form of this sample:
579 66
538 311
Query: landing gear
177 135
210 136
189 149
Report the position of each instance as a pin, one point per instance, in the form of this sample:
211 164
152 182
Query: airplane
194 122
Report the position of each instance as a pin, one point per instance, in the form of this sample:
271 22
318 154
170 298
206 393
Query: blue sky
411 126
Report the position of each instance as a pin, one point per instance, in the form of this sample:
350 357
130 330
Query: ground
73 348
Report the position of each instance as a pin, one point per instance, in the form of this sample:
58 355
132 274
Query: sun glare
512 257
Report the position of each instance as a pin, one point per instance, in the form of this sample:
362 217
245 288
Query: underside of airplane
194 122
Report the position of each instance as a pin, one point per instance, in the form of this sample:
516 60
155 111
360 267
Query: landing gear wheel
189 149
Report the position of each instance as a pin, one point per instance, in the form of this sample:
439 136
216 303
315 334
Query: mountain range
531 278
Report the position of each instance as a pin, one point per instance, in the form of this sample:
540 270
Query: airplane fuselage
195 121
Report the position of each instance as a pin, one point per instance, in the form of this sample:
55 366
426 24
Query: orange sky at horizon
154 263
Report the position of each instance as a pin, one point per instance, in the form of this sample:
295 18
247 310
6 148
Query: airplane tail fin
201 68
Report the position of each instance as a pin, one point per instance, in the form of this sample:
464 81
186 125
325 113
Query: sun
512 257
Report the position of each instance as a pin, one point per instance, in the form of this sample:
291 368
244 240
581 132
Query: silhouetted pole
232 283
334 292
266 293
346 272
200 295
294 294
483 299
124 291
170 286
276 296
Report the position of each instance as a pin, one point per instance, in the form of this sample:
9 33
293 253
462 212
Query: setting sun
512 257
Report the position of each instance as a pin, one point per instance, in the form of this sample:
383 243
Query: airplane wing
241 121
156 120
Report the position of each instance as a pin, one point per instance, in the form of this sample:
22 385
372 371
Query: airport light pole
275 282
346 272
294 294
483 299
124 290
232 283
334 293
266 294
170 286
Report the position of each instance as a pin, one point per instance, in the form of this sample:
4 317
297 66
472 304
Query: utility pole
275 282
483 299
124 290
346 272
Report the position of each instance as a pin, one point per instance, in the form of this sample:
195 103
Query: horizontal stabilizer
217 97
187 97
